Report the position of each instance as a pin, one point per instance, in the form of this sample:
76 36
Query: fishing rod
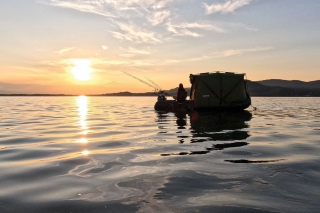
152 82
159 88
153 85
142 81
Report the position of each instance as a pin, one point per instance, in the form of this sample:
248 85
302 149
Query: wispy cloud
113 8
133 18
158 17
231 52
64 50
96 7
221 54
138 51
129 61
153 21
227 7
104 47
189 29
95 62
131 32
131 52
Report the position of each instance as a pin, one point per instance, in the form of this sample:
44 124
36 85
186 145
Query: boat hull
236 106
189 105
173 106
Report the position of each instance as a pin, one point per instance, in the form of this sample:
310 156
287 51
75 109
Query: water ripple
89 154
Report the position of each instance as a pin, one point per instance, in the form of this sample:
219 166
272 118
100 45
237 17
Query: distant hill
130 94
257 89
291 84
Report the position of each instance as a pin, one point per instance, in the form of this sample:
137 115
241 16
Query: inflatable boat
218 91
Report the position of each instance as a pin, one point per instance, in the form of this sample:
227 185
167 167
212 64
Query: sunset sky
84 46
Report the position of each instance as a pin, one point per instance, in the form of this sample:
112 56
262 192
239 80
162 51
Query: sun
81 69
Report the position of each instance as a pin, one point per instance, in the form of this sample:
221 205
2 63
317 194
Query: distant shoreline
265 88
63 95
134 95
66 95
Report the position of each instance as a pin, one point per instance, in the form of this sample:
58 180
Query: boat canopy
218 90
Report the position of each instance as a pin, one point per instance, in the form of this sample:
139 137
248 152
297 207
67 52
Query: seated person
181 94
161 96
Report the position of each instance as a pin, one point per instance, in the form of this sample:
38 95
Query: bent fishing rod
151 84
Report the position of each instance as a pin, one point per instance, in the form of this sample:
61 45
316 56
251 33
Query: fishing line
152 84
142 81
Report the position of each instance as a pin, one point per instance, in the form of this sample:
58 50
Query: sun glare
81 69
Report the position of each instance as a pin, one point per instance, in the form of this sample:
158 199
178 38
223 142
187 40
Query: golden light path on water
82 102
75 155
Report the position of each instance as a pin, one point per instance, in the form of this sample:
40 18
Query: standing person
181 94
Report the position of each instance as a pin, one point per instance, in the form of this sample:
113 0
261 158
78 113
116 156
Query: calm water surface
116 154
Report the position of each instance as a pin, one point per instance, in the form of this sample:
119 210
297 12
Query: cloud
225 53
112 8
232 52
104 47
227 7
158 17
131 32
189 29
98 64
133 18
160 62
138 51
64 50
153 21
96 7
131 52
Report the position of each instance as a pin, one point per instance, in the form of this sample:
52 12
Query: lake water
116 154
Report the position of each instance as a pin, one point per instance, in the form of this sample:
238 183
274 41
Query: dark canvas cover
218 89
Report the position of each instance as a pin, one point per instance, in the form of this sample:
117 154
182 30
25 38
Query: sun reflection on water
85 152
82 140
82 102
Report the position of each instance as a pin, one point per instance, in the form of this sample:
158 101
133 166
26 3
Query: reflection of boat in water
224 132
219 121
228 128
219 126
211 91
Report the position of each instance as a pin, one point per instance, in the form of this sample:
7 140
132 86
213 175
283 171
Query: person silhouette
161 96
181 94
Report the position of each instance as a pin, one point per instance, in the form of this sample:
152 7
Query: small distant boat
217 91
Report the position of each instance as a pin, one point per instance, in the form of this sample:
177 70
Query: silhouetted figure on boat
181 94
161 96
